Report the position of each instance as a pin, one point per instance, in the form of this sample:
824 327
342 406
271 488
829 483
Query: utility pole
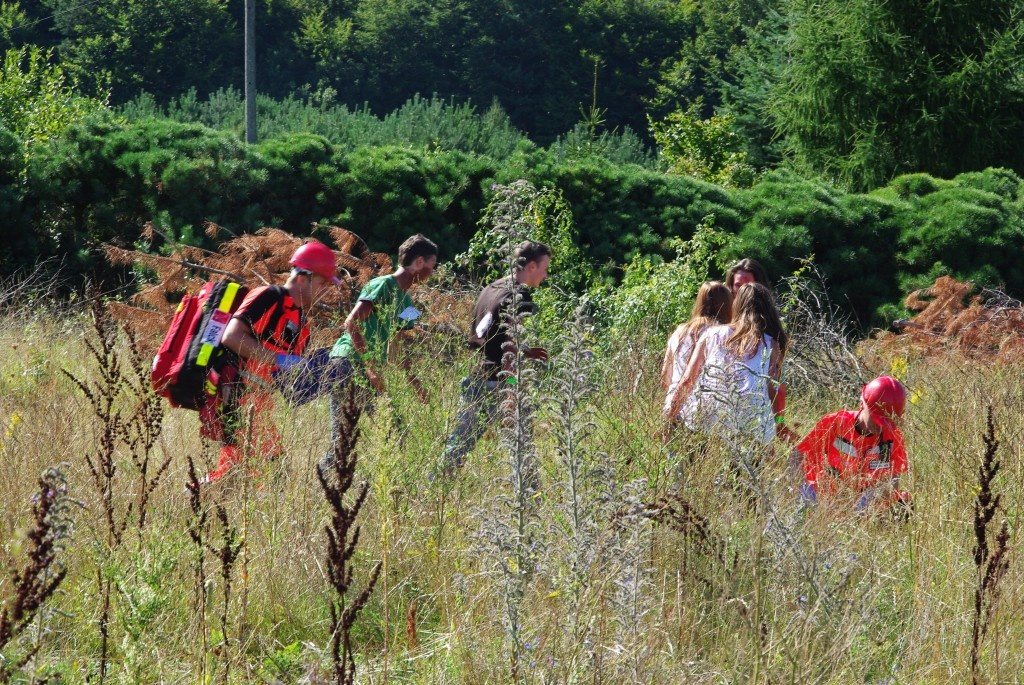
250 71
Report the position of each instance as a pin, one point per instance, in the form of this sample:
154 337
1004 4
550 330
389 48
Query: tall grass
646 573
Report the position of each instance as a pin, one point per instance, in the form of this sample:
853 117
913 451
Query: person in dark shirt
497 305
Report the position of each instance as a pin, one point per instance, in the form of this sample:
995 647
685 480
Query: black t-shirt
491 316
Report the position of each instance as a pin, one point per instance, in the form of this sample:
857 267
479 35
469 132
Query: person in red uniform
267 333
859 451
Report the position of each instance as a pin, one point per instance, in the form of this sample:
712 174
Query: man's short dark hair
415 246
529 251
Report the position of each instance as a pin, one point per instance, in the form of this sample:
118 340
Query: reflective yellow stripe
229 297
203 357
226 305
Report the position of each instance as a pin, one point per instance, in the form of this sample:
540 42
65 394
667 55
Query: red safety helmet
319 259
885 398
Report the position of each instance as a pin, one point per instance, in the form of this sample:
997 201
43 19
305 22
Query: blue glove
808 494
287 361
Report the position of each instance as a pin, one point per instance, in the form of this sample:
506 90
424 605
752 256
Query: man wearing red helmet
268 333
859 451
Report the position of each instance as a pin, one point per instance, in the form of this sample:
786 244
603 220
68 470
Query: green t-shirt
392 311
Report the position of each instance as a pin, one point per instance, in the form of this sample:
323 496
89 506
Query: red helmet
885 398
319 259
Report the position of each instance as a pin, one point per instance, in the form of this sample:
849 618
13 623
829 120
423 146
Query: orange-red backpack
189 364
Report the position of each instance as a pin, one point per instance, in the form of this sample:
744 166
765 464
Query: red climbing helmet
885 398
318 258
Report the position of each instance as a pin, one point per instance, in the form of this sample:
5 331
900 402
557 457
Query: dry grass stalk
227 554
990 560
342 540
196 529
44 570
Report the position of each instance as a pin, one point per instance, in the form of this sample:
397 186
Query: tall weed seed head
44 569
342 534
511 536
129 418
991 558
633 596
585 483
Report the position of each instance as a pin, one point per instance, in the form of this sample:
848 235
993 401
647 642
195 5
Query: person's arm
538 353
777 396
689 379
814 450
668 362
399 341
353 326
239 339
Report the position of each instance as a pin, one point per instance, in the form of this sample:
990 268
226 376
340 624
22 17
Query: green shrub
657 295
421 123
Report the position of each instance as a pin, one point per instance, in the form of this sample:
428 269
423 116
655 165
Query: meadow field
574 546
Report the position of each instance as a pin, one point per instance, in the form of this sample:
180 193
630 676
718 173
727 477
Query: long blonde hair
754 315
712 306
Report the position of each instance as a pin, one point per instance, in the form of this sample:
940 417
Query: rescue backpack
189 364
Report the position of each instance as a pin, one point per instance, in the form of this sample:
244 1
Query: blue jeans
478 406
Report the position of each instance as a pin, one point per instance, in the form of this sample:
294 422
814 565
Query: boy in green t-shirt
384 308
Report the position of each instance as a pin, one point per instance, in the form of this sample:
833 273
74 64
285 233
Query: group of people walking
722 369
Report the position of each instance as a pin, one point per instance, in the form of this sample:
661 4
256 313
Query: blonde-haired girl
733 373
712 307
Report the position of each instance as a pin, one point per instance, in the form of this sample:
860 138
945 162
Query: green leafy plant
655 295
708 149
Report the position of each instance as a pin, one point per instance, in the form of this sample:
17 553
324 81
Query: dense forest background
880 137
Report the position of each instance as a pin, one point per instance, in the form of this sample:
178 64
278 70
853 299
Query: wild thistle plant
991 558
511 530
342 540
129 418
582 491
633 597
511 536
44 569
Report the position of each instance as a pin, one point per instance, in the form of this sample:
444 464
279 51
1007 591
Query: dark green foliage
161 46
422 123
295 168
871 90
102 179
20 248
389 193
873 248
967 231
624 211
542 62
